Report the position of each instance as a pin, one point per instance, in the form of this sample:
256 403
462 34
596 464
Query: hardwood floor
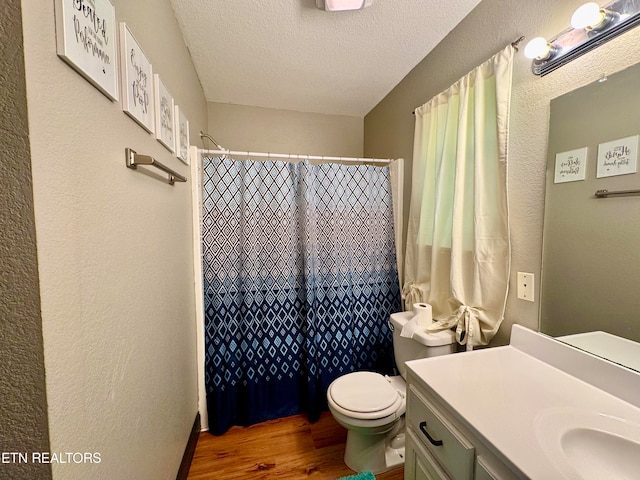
287 449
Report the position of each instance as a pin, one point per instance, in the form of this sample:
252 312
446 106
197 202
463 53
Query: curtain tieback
465 319
413 293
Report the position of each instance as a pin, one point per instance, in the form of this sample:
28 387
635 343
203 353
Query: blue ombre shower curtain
299 281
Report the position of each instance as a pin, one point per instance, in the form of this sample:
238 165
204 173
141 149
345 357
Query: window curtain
299 281
458 249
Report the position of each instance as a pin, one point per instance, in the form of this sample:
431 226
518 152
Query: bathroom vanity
537 409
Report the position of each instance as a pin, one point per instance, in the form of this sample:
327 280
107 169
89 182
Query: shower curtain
299 281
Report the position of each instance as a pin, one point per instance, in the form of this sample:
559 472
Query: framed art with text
618 157
182 136
137 81
87 38
571 166
165 122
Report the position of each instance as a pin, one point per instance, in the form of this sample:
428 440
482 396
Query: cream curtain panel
396 175
458 250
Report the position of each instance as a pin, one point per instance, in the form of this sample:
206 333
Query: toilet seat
365 396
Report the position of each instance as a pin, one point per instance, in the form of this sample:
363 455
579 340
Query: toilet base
375 453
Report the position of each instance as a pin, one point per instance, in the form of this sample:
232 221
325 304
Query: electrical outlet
525 286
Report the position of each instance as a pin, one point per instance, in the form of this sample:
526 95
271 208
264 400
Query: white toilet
372 406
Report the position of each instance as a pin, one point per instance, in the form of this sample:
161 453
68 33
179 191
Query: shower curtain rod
292 156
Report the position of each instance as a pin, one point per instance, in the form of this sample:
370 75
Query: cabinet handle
423 429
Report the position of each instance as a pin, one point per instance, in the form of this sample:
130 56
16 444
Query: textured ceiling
287 54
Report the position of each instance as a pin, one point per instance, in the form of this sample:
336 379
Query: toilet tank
422 345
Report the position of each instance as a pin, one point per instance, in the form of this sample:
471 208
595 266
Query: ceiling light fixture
342 5
591 26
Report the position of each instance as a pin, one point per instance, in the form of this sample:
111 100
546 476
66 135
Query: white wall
489 28
115 257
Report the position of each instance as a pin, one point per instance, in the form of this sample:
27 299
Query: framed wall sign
137 81
618 157
571 166
165 121
182 136
86 38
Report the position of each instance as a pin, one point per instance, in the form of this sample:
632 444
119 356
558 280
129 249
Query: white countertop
617 349
502 393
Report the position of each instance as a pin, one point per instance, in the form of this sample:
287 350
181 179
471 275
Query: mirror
591 246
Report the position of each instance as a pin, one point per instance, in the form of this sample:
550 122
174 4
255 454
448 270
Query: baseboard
190 449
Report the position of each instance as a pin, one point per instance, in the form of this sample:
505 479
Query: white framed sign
571 166
165 121
182 136
137 81
618 157
86 38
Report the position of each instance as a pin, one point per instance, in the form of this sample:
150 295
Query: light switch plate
525 286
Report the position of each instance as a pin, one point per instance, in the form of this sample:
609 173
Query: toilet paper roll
422 317
422 314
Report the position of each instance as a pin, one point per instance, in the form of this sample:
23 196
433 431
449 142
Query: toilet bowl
371 406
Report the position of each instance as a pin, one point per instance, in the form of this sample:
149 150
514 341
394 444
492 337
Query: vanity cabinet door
489 468
445 442
419 464
484 472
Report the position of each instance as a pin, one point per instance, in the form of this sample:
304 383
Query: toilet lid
363 392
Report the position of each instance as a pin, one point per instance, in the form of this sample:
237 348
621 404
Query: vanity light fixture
589 16
538 48
591 26
342 5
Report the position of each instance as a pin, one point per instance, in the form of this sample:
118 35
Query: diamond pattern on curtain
299 282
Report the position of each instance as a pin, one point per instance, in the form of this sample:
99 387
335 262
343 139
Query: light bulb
537 48
587 16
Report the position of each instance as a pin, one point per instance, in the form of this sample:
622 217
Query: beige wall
23 401
115 257
489 28
239 127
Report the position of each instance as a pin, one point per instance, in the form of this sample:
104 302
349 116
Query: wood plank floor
287 449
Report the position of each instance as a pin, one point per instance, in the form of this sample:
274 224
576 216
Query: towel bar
134 159
605 193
